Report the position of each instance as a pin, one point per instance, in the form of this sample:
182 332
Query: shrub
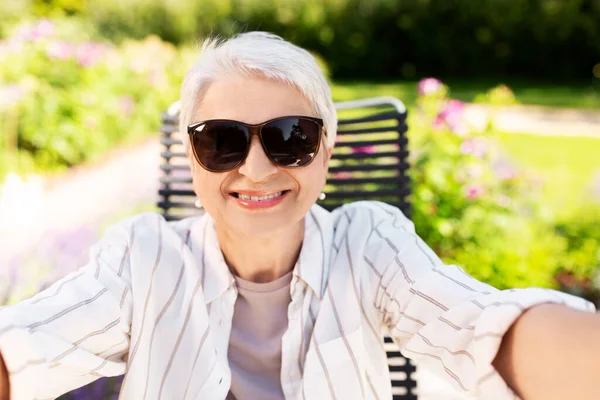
72 100
470 204
579 267
375 38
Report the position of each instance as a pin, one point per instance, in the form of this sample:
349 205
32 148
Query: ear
328 156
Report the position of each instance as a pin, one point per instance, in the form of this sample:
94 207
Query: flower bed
67 99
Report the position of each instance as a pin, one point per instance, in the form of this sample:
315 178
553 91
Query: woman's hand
4 387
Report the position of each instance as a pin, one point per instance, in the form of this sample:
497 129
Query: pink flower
504 170
342 175
42 29
452 116
364 149
126 105
476 146
474 192
89 54
429 86
438 123
60 50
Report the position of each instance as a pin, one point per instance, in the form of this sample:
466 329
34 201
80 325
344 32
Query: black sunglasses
221 145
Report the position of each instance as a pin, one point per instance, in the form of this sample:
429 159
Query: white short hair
257 54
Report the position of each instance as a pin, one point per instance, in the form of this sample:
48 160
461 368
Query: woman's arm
75 331
552 352
452 323
4 388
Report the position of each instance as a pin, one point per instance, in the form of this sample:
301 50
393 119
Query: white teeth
259 198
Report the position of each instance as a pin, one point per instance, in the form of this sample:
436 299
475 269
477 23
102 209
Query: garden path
538 120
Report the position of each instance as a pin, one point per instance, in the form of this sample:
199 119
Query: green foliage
71 100
376 38
582 234
472 206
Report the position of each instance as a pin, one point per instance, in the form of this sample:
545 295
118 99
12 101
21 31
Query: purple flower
102 389
453 117
474 192
476 146
60 50
44 283
67 250
13 270
429 86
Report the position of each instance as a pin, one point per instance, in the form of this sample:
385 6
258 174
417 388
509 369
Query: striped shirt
156 303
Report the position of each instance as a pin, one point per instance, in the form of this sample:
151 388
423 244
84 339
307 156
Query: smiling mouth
258 198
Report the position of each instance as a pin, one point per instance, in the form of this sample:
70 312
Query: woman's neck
261 259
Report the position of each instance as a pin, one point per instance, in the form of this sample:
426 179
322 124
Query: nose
257 167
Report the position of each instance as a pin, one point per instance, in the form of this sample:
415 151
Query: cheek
312 179
207 185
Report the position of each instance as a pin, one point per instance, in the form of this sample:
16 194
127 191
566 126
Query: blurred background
504 122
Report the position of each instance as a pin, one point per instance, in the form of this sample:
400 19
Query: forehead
251 99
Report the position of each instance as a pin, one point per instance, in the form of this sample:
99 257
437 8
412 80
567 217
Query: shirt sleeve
439 315
74 332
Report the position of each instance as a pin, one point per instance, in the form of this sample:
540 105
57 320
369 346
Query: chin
263 225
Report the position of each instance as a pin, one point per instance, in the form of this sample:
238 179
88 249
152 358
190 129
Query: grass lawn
568 165
577 95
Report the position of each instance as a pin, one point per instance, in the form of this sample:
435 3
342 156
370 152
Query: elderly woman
267 295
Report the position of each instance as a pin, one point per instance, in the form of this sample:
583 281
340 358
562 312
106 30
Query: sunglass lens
221 146
291 142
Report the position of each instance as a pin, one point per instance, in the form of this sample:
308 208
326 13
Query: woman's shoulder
150 225
370 214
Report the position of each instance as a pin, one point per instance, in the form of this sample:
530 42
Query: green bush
471 205
71 100
579 268
582 233
376 38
